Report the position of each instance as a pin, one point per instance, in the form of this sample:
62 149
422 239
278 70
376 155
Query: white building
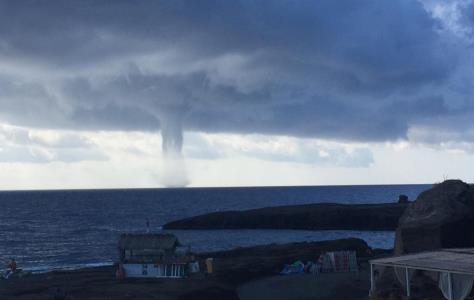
152 256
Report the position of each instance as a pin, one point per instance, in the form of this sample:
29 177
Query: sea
69 229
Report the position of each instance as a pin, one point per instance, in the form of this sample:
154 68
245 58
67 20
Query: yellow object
209 265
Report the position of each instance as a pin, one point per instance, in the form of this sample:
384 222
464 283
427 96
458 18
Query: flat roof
459 261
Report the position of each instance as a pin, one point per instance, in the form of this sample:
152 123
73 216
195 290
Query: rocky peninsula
320 216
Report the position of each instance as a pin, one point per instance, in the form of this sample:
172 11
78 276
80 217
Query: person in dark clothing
12 268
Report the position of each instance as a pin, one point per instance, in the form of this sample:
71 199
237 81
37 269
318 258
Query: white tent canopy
455 268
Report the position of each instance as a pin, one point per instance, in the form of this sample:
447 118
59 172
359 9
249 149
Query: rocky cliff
441 217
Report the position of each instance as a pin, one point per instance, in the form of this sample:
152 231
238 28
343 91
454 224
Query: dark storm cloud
352 70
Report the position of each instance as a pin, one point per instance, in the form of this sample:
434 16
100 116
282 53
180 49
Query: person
120 273
12 267
319 264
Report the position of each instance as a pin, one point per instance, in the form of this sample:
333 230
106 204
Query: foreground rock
232 269
441 217
311 216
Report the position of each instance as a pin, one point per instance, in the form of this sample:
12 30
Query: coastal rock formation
324 216
441 217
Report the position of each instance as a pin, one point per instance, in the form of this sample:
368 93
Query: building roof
459 261
163 241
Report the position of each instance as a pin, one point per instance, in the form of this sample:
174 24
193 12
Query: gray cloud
353 70
23 146
322 156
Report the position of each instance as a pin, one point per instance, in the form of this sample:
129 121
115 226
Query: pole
407 282
372 283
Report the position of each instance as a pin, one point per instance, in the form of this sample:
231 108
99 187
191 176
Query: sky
125 94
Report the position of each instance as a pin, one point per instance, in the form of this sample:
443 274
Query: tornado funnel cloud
172 136
174 169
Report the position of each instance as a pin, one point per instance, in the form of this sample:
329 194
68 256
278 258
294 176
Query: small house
152 255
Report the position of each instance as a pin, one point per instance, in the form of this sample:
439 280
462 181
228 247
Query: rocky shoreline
233 269
320 216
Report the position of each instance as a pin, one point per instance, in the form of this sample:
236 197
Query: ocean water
46 230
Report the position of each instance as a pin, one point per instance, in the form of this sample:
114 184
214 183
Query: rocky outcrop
441 217
403 199
310 216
